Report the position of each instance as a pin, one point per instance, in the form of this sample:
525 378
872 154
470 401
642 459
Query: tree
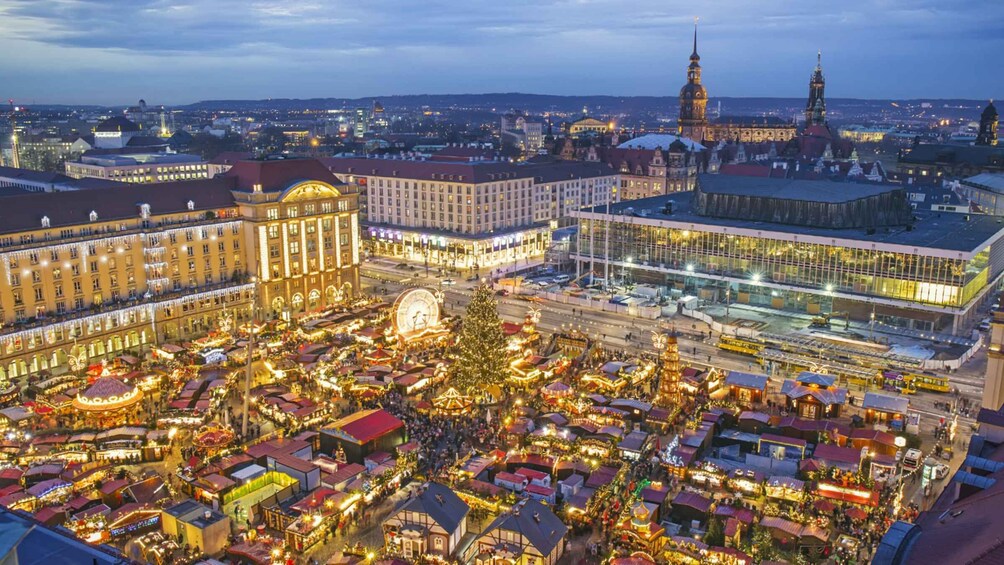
761 545
209 146
271 141
480 352
716 533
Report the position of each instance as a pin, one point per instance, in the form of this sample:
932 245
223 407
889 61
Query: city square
274 319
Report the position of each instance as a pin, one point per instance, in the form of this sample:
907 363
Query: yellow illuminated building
89 275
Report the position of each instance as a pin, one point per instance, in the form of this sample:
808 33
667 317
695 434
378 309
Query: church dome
990 111
116 124
693 91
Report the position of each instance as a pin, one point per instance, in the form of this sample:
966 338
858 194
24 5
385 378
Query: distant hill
500 102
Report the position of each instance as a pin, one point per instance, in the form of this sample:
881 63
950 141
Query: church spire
694 56
693 98
815 108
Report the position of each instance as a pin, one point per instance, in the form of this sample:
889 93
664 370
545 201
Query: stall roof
886 403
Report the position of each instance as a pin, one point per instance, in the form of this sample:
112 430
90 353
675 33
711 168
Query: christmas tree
480 354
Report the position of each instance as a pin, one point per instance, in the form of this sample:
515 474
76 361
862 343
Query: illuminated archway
297 302
313 299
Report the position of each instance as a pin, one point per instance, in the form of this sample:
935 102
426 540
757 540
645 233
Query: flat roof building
809 246
470 214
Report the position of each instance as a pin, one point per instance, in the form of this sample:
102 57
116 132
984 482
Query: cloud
189 49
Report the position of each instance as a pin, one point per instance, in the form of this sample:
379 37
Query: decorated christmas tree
480 354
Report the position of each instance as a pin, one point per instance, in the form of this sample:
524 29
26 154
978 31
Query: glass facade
817 268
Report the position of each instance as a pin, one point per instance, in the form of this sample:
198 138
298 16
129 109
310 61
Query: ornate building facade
693 122
693 99
651 172
815 108
93 274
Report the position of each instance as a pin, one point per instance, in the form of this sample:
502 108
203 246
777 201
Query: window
292 212
273 232
294 247
272 213
294 229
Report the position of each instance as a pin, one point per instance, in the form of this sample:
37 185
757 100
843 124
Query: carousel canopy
106 394
452 401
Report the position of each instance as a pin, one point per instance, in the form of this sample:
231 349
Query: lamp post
250 354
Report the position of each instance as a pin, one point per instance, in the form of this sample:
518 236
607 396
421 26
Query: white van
912 460
562 279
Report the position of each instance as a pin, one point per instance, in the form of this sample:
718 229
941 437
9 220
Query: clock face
415 311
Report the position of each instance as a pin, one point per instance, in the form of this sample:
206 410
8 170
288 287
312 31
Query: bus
929 381
744 345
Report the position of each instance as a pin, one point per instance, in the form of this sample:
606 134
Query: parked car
449 281
940 471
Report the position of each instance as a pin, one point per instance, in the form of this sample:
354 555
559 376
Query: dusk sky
181 51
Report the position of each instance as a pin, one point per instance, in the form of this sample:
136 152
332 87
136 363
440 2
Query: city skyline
174 53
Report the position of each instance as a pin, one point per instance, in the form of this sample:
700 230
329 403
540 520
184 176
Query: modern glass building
807 246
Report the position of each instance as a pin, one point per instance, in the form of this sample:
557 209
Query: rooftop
27 542
367 425
659 141
948 232
536 522
829 192
440 503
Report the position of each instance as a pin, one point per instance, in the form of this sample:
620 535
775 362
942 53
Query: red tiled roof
21 213
367 425
835 454
279 174
230 157
692 500
877 436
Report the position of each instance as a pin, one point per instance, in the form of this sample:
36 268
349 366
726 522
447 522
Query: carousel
108 396
452 403
212 438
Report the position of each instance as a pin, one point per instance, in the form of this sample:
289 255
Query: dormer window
93 216
191 205
256 188
45 221
144 211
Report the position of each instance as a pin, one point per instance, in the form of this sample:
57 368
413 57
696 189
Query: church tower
815 109
693 99
988 126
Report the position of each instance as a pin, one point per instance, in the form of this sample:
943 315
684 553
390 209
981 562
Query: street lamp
250 354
